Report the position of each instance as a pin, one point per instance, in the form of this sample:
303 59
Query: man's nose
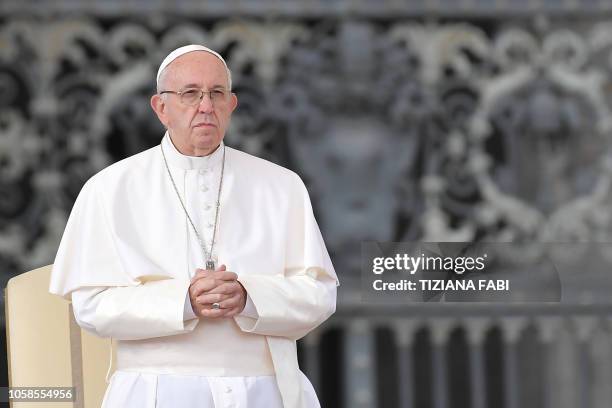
206 104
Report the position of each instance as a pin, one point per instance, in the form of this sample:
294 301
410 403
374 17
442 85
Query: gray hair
163 73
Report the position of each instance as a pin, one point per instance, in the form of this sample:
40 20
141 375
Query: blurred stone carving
404 132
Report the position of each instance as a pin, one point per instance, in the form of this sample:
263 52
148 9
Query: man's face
196 130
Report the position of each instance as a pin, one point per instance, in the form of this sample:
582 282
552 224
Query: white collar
186 162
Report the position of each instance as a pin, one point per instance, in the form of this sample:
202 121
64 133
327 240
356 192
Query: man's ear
159 107
233 102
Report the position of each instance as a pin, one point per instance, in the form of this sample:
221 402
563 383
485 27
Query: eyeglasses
193 96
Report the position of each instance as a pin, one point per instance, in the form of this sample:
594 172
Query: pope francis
203 263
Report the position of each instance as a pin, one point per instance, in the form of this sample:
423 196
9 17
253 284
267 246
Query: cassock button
228 389
210 225
203 171
207 207
204 188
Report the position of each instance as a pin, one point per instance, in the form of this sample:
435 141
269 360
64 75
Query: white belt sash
216 348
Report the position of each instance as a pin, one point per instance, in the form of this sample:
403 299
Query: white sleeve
153 309
188 312
84 304
249 309
288 306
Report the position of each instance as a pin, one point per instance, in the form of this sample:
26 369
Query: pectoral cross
210 264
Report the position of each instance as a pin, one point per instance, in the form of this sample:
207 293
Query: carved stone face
353 169
546 164
195 130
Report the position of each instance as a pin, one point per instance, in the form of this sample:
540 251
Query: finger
214 286
200 286
231 306
225 287
220 274
229 312
210 313
201 273
230 302
224 275
211 298
225 302
232 312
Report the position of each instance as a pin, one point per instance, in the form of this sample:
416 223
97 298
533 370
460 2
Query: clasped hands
218 286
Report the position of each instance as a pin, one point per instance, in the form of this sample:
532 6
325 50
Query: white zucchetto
184 50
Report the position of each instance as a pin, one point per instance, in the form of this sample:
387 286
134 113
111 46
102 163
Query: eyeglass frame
226 93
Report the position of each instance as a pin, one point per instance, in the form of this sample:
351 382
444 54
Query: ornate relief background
469 126
402 129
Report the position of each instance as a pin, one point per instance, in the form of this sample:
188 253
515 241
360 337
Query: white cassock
127 256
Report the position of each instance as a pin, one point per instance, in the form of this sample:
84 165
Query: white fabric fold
287 306
143 390
154 309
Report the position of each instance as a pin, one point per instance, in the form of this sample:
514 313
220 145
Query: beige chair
46 348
